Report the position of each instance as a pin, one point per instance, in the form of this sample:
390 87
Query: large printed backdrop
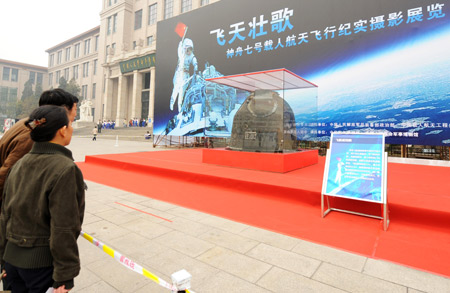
380 65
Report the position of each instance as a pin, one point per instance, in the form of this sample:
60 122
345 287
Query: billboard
380 66
355 167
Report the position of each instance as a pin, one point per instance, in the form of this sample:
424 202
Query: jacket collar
51 148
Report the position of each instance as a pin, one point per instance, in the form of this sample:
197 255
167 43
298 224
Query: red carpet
289 203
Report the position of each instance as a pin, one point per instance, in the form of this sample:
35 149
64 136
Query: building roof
19 64
73 39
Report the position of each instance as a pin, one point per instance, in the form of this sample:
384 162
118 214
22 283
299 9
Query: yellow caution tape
129 263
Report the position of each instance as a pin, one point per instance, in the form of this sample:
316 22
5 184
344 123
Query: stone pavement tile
134 246
331 255
88 252
153 287
104 230
157 204
187 226
84 280
224 224
235 263
279 280
90 218
99 287
184 243
408 277
229 240
96 207
352 281
223 282
171 261
133 197
117 275
269 237
187 213
117 216
146 228
414 291
287 260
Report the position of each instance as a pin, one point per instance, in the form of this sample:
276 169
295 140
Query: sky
29 27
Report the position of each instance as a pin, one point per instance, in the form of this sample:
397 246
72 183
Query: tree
26 106
62 83
73 88
27 90
38 90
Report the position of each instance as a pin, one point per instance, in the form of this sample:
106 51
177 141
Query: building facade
78 59
120 70
14 75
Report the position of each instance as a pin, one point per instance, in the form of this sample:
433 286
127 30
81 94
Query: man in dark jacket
16 142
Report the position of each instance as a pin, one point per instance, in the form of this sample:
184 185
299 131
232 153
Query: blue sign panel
355 167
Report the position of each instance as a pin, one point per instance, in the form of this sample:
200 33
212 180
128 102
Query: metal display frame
325 202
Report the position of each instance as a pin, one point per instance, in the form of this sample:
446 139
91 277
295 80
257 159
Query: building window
75 72
67 54
109 2
114 28
107 53
108 27
113 48
168 9
87 46
40 77
14 74
86 69
58 76
3 94
33 77
52 60
186 5
50 79
134 45
149 41
138 19
204 2
152 14
95 66
94 88
12 93
84 91
66 73
6 71
77 51
59 57
96 43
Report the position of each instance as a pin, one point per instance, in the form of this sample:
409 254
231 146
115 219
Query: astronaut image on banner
198 106
182 78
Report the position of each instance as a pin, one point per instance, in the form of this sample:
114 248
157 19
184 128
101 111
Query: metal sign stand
384 205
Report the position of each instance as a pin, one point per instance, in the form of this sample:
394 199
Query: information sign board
355 167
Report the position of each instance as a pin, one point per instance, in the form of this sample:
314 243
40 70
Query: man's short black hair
58 97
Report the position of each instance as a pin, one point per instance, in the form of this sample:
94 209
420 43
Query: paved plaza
221 255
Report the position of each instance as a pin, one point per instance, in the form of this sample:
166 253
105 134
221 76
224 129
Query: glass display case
267 111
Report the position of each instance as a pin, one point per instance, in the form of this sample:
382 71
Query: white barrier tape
129 263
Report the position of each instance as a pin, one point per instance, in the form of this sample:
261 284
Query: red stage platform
272 162
289 203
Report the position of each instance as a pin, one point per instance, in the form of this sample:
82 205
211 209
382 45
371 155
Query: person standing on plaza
43 209
17 142
94 133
